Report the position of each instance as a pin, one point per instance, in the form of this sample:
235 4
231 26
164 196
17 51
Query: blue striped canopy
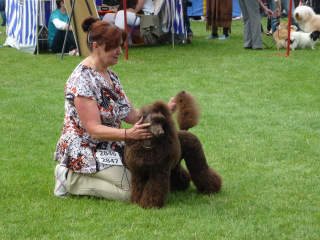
22 21
174 13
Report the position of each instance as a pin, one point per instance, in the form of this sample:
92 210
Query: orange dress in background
219 14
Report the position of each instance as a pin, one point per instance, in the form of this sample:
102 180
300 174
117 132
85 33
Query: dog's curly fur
280 36
308 20
155 163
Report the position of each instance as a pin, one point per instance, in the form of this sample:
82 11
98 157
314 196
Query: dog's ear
146 118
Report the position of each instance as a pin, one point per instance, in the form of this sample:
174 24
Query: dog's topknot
188 110
156 107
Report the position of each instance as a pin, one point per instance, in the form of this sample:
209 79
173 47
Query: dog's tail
188 110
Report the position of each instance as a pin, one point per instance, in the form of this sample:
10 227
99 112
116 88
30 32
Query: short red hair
103 32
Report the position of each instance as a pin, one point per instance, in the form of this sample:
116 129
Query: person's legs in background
132 19
3 11
247 41
286 3
109 17
269 33
186 19
225 35
252 25
214 33
255 23
274 20
58 40
188 29
211 6
187 23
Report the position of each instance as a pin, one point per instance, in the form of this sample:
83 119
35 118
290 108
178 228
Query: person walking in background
251 24
219 14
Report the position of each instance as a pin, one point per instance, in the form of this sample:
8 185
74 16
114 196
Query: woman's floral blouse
75 148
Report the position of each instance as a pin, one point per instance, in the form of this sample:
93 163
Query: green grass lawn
260 129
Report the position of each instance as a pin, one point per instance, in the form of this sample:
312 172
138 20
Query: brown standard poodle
155 163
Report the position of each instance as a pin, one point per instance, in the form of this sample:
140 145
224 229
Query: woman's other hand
172 105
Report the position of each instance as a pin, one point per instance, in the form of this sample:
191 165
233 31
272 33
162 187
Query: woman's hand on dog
139 131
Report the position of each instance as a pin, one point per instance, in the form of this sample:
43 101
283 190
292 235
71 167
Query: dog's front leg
156 190
138 183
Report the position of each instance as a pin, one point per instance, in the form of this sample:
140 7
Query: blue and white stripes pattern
174 13
21 24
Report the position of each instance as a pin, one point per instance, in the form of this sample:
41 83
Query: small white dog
308 20
302 40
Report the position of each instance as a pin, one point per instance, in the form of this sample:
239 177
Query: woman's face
111 57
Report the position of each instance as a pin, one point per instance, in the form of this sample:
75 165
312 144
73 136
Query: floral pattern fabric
76 149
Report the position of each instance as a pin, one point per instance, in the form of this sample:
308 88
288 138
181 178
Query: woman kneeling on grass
92 144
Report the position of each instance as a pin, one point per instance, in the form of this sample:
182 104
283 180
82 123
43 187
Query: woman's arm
61 25
139 5
89 115
267 10
132 115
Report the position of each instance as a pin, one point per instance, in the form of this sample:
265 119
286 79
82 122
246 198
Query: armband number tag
108 157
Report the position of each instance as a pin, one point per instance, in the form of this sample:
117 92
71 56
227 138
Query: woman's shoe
60 174
269 33
212 36
224 37
190 35
74 52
